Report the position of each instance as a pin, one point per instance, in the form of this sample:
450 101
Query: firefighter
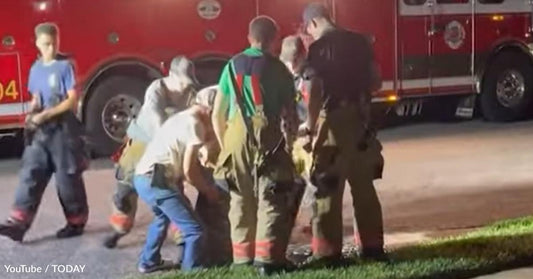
175 93
55 146
256 95
341 74
171 158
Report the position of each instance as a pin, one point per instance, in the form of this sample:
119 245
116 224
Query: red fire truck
425 48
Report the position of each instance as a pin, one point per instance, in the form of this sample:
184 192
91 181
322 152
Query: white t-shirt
169 142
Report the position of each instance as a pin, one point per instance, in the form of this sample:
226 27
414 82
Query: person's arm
219 118
374 85
289 115
68 104
192 169
193 174
155 104
315 102
157 115
313 84
35 103
221 105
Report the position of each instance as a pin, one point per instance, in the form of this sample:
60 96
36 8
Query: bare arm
219 118
192 171
35 105
158 115
68 104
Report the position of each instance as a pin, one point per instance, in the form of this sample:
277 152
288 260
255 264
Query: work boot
377 255
335 261
70 231
12 230
111 240
268 269
163 265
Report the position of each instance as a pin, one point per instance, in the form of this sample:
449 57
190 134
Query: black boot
111 240
377 255
13 230
335 261
267 269
70 231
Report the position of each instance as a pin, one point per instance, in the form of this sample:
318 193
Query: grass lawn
500 246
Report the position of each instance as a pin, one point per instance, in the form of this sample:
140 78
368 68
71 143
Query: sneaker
14 231
70 231
163 265
111 241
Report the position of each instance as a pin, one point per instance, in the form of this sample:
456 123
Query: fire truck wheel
507 93
115 101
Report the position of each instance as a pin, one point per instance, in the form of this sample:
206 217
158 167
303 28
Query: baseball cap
314 10
184 68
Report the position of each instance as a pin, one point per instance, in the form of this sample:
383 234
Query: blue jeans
169 206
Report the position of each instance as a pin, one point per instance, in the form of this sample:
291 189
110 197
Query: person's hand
38 118
307 144
203 156
307 137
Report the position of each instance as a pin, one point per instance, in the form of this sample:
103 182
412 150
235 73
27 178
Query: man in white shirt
171 159
174 92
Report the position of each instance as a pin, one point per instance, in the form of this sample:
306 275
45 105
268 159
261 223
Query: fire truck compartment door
10 85
414 46
450 36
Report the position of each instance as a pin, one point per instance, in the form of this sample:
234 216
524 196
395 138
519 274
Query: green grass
500 246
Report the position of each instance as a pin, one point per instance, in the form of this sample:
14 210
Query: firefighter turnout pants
53 150
341 153
259 200
125 197
216 222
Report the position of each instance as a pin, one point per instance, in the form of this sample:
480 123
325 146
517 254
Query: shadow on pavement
48 238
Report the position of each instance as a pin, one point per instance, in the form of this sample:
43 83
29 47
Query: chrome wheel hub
117 114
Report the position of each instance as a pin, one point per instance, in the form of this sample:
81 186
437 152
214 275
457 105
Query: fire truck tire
507 91
122 97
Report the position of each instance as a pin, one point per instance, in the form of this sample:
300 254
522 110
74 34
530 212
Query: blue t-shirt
51 82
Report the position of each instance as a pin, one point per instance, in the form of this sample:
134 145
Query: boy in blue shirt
56 146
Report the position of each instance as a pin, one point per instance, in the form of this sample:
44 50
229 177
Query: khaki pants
259 206
342 154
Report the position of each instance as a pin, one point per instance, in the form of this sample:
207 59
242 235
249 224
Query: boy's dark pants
54 150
